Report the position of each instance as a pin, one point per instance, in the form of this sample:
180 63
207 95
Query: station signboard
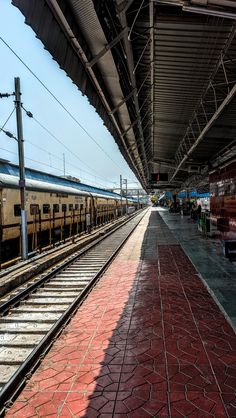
156 177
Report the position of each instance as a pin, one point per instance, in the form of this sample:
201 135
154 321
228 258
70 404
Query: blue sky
42 152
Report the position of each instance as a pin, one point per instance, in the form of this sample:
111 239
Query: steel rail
10 303
18 380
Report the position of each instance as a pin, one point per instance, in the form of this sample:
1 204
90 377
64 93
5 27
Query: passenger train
56 208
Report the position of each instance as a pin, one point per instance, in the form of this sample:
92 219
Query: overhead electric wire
40 148
9 117
55 156
10 135
59 102
44 164
70 164
65 146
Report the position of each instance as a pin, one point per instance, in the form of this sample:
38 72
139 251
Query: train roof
50 181
13 182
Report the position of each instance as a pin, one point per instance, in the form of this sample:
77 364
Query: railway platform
150 340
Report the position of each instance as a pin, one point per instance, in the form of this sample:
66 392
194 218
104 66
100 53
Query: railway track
31 319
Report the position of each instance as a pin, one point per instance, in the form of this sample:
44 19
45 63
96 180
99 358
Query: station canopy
160 73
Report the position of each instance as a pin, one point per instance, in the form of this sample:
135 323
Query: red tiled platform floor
149 341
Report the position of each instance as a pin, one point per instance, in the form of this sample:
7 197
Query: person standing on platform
192 211
198 212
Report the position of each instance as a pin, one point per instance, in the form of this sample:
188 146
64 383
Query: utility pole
126 204
21 169
121 193
126 192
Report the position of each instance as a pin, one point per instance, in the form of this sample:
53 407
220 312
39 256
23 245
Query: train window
71 206
56 207
64 207
34 209
46 208
76 206
81 207
61 195
17 210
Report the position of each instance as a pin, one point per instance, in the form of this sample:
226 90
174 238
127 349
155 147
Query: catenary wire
9 117
65 146
70 164
40 148
59 102
44 164
55 156
39 162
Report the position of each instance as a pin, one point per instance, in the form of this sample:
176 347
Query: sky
83 158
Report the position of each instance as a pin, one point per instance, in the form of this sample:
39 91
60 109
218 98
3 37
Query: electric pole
126 204
21 169
126 193
121 193
20 141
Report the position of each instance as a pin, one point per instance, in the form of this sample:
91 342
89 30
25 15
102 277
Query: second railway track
32 318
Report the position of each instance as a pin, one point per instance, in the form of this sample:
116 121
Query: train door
87 215
116 209
107 211
86 209
92 211
95 211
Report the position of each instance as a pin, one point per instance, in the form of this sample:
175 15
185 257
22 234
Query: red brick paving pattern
149 341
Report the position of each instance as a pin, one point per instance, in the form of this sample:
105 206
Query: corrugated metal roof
187 48
72 52
169 63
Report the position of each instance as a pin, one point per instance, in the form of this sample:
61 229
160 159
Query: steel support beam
129 127
163 160
124 5
207 127
196 129
141 55
72 39
107 48
165 163
152 48
130 62
124 101
144 81
204 7
209 12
